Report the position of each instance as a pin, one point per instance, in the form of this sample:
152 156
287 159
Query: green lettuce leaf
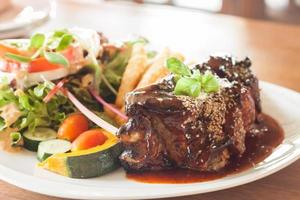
113 71
34 111
2 124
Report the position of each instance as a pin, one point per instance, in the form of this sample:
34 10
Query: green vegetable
35 112
196 75
113 69
82 94
7 95
60 32
191 83
37 41
151 54
64 42
58 41
178 67
33 139
2 124
138 40
56 58
210 82
49 147
113 72
88 163
188 86
4 81
22 59
15 138
17 43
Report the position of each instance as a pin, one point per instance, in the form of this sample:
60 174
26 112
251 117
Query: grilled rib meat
166 131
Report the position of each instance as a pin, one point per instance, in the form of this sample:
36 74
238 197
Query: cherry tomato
73 126
89 139
41 64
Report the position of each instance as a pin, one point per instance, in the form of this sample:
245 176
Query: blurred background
18 17
286 11
267 31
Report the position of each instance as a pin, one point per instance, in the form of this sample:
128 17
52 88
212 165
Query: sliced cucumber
50 147
32 139
87 163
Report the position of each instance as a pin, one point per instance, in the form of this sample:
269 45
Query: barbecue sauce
265 135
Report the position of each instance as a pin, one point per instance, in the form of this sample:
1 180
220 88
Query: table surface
273 48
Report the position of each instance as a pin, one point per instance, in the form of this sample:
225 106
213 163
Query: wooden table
273 48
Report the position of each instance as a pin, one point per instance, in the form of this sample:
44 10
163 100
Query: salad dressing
260 141
5 141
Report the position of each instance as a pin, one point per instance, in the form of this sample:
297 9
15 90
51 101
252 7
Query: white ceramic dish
282 104
21 16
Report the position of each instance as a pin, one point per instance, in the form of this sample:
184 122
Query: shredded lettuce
34 111
2 124
74 85
114 67
113 71
7 95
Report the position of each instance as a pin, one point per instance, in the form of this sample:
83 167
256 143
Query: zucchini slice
49 147
87 163
33 139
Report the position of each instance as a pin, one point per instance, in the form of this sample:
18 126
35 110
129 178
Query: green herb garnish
178 67
188 86
65 41
22 59
60 32
37 41
210 83
59 41
191 83
56 58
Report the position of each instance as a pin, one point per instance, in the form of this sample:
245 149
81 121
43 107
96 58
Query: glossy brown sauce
260 141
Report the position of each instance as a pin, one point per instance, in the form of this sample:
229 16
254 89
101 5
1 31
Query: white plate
24 15
281 103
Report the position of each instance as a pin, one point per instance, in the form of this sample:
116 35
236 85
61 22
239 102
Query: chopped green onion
22 59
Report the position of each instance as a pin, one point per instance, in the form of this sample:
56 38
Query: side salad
62 96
